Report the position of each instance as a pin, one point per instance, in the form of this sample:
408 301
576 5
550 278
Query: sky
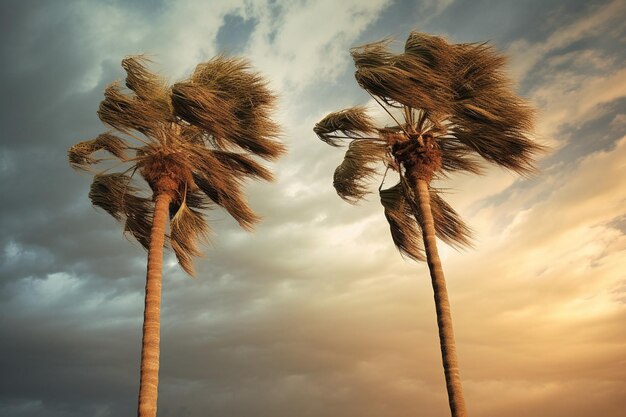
316 313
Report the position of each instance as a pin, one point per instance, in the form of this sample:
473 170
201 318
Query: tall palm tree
452 105
193 143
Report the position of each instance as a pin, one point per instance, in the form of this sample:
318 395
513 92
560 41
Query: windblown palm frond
432 51
489 118
242 105
258 134
350 179
227 194
405 231
449 226
353 123
401 79
204 108
145 84
187 227
126 113
243 165
233 78
80 154
138 223
117 196
457 157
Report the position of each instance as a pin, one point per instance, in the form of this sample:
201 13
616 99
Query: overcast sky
315 314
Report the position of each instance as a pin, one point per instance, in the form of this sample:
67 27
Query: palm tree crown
456 107
194 140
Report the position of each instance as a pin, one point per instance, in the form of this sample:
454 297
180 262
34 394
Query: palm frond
457 157
433 51
226 192
449 226
117 196
257 134
373 54
127 113
353 122
108 191
234 79
510 148
138 222
187 227
488 117
195 135
146 85
405 230
221 184
402 79
204 108
242 164
350 179
80 154
244 106
478 68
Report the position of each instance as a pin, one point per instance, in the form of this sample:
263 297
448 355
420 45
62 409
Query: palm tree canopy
196 140
458 108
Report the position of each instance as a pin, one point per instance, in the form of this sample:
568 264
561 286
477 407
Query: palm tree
193 143
452 105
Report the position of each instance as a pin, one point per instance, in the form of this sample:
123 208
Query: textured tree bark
442 304
149 382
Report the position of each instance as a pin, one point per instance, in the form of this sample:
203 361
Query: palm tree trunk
442 304
149 382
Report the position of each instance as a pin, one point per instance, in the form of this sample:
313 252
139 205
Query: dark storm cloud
53 363
234 33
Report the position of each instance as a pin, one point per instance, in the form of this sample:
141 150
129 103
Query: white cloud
307 42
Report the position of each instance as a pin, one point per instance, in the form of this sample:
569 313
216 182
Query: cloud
315 313
526 56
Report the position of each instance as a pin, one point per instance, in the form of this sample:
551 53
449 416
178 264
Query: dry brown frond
414 78
243 164
353 122
204 108
350 179
489 118
449 226
258 134
187 227
406 80
226 193
405 231
117 196
127 113
510 148
139 222
234 79
80 154
433 51
373 54
233 104
146 85
195 135
457 157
